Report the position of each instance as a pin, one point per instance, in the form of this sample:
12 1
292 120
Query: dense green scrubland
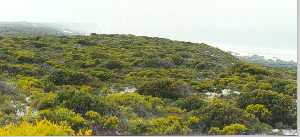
136 85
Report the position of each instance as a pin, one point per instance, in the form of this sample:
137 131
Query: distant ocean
286 54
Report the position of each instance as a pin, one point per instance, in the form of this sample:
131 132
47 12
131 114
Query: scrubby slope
180 88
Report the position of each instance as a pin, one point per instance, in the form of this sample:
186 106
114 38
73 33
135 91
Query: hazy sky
264 27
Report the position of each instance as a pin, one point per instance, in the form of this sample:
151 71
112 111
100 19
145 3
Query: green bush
165 88
218 113
283 107
191 103
114 64
61 77
177 59
76 100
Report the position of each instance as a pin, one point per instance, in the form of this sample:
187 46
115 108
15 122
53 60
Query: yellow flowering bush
232 129
39 128
111 122
28 83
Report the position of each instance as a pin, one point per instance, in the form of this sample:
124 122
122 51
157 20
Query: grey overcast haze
263 27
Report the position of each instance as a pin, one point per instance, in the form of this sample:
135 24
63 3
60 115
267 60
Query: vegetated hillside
136 85
15 28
